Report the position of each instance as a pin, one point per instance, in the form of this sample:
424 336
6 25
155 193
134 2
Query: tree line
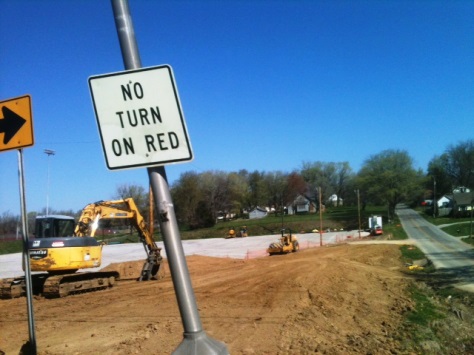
387 178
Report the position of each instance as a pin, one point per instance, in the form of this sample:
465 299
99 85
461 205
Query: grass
425 310
463 230
335 218
410 254
8 247
440 320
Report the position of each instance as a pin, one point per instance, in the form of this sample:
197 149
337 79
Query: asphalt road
453 258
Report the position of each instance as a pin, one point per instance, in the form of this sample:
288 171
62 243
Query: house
332 200
301 204
257 212
463 200
445 205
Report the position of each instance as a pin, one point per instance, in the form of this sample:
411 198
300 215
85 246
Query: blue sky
264 85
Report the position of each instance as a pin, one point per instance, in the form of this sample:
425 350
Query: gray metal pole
195 339
48 152
358 209
31 346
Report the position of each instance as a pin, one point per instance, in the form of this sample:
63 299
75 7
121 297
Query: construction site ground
335 299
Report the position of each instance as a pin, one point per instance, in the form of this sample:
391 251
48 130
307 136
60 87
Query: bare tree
343 175
8 225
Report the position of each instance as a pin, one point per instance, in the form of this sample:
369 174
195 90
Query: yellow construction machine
288 243
60 248
241 234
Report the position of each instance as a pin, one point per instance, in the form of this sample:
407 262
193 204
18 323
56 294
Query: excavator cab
55 249
54 226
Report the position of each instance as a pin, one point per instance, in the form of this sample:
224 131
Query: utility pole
472 207
282 211
48 152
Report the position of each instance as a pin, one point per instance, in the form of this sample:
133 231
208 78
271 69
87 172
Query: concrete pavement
237 248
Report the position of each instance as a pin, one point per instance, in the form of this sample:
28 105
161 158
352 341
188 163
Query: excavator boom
122 209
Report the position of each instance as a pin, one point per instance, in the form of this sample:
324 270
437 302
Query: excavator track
54 286
12 287
64 285
16 286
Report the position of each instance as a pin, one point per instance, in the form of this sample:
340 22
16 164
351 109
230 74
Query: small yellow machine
60 248
288 244
240 234
230 233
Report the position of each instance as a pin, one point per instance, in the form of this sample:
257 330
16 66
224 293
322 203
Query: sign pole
195 339
26 259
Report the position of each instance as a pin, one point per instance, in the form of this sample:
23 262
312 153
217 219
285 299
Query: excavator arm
122 209
55 251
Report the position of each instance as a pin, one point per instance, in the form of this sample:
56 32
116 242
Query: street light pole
320 218
48 152
358 208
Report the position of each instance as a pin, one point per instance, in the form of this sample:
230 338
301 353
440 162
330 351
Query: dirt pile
347 299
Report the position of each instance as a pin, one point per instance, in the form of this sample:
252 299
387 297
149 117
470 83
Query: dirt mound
347 299
129 270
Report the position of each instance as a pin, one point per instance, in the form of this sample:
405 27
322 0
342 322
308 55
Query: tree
457 164
137 192
277 189
139 195
215 188
186 196
320 175
296 186
9 224
258 194
437 175
389 178
343 176
238 191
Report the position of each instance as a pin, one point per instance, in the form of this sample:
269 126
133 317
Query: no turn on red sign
140 119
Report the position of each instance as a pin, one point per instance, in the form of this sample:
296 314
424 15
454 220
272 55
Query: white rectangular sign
140 119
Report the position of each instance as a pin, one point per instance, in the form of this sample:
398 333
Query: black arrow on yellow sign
10 124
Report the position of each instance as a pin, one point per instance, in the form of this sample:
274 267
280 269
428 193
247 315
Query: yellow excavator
288 243
60 248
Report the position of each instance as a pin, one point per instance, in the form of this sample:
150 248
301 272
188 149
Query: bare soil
345 299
